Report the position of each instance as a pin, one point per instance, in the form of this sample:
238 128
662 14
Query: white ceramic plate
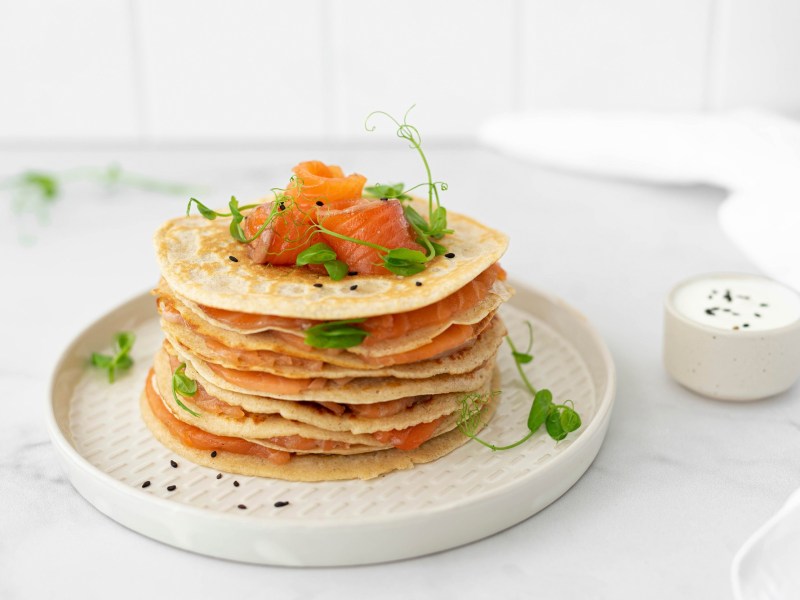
467 495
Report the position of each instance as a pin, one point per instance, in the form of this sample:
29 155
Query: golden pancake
193 252
313 467
468 359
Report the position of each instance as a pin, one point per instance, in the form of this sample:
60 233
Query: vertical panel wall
615 54
454 58
234 69
66 70
756 45
270 70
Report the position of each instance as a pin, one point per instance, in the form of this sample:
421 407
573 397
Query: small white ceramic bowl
733 336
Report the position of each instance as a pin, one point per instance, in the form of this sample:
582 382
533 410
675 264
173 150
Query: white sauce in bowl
737 302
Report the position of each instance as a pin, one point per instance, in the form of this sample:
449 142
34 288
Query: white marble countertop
678 486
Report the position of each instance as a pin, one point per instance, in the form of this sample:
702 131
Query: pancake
360 390
210 350
193 252
199 320
253 409
313 467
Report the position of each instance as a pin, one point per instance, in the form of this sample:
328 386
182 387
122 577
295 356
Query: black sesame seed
320 203
317 285
354 286
450 255
219 475
235 484
746 325
172 488
384 199
281 206
757 315
146 484
418 283
764 304
281 504
173 464
351 273
242 507
213 454
233 259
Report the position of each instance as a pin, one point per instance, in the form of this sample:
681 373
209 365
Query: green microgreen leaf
336 334
392 190
570 420
46 184
316 255
540 408
235 228
553 425
336 269
438 249
204 210
522 358
101 360
185 386
404 261
124 341
120 360
439 222
416 219
124 362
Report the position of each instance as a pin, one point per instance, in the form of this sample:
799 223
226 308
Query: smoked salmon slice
390 327
315 181
379 222
195 437
410 437
291 231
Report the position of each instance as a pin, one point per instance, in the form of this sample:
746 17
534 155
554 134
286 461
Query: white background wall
164 70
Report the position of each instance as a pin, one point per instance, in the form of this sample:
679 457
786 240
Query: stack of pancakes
269 404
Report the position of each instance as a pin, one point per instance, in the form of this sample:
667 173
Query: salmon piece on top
317 182
291 231
376 221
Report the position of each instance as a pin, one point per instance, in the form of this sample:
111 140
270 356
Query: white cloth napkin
765 568
755 155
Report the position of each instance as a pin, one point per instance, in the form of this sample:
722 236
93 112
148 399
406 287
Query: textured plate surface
108 453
